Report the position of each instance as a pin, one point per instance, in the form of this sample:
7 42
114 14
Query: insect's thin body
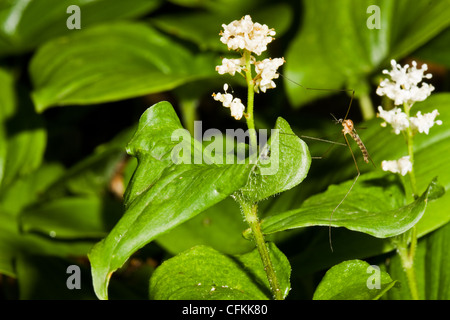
347 129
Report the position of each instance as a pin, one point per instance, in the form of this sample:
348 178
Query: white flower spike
404 84
402 165
244 34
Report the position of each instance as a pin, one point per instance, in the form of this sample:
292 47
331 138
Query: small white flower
395 117
423 123
231 66
404 84
244 34
402 165
235 104
266 71
237 108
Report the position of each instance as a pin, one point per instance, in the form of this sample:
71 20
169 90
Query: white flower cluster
402 165
231 66
244 34
266 71
399 120
404 84
235 104
404 89
253 37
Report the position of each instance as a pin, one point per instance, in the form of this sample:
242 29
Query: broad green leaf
437 264
353 280
374 206
219 227
112 62
61 218
164 192
28 189
23 137
13 243
203 273
284 166
339 49
7 107
437 50
22 26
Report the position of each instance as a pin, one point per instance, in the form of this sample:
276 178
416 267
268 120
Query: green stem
366 107
189 113
250 213
409 142
251 209
250 101
407 255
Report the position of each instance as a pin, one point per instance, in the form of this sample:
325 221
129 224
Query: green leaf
203 273
61 218
22 26
7 107
287 166
340 50
163 194
111 62
437 264
23 137
437 50
374 206
353 280
27 190
219 227
13 243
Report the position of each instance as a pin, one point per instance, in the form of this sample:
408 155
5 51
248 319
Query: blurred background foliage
70 101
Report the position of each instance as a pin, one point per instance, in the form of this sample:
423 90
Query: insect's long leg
348 192
323 140
349 106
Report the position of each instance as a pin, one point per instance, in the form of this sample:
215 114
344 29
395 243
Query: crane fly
348 128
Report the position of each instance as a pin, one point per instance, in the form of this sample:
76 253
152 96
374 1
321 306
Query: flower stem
366 107
407 255
250 214
409 142
189 112
250 100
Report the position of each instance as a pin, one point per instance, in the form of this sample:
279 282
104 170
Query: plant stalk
251 216
250 101
366 107
407 254
409 142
